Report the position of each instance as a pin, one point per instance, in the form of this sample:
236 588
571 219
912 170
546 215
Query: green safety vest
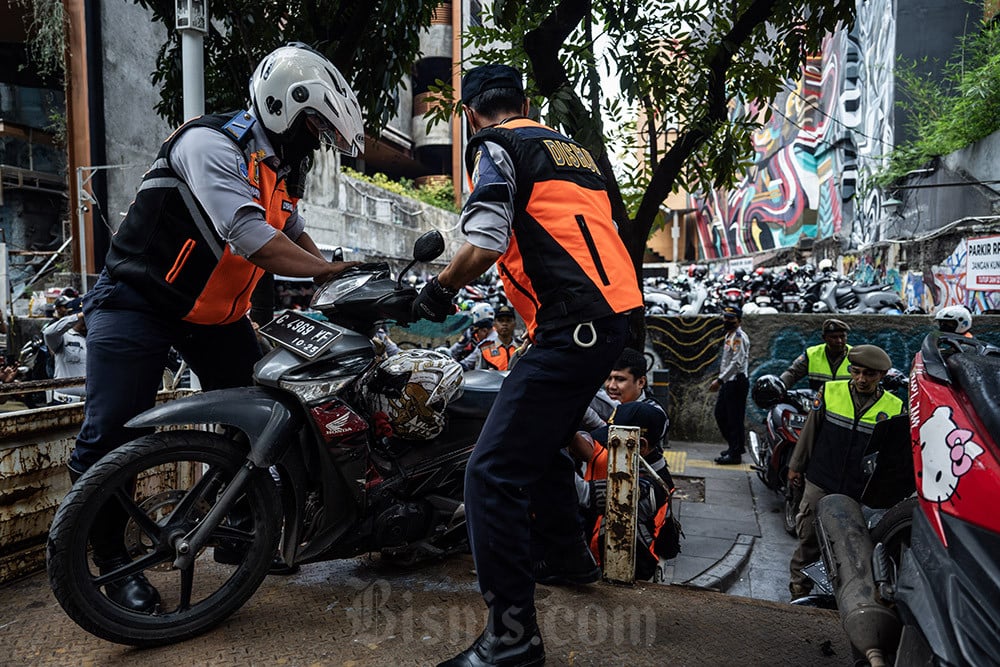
835 464
819 366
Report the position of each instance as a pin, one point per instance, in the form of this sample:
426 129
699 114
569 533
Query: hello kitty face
946 452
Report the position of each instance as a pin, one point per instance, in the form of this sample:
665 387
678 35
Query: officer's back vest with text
565 262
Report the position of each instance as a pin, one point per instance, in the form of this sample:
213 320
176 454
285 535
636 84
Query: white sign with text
982 264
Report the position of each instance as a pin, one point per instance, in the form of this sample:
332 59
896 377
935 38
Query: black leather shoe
133 592
489 650
729 459
278 567
578 567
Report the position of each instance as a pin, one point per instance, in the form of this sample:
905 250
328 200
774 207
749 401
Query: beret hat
869 356
831 325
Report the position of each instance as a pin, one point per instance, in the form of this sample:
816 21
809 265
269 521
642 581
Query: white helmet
294 82
954 319
482 311
826 264
412 389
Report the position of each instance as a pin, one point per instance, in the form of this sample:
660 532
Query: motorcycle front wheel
162 486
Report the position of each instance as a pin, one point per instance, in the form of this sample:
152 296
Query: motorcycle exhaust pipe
846 544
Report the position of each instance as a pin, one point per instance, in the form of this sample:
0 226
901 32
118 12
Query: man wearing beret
732 385
824 362
831 446
540 211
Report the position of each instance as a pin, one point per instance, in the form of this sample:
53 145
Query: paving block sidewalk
720 531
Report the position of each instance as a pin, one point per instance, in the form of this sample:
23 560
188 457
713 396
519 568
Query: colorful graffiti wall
830 126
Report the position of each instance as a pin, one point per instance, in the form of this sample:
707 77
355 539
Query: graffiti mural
825 136
949 285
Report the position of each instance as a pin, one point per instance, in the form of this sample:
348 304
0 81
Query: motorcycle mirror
429 246
337 255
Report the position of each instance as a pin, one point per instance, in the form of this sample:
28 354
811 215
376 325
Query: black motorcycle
785 415
297 465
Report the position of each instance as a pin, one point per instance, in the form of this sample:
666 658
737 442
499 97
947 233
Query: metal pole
623 504
193 67
675 234
81 211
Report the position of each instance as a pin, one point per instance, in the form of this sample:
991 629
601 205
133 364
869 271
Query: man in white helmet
954 319
215 211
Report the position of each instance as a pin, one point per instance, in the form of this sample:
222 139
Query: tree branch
719 60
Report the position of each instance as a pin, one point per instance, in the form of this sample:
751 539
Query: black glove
434 302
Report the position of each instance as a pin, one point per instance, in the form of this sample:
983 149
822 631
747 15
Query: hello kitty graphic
947 452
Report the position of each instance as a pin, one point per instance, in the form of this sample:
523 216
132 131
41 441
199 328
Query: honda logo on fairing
339 425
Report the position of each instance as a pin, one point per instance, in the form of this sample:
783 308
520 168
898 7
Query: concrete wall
690 347
133 131
369 222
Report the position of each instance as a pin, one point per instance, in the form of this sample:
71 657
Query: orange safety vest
597 468
496 355
565 263
169 250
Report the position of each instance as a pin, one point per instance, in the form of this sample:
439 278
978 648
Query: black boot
107 539
133 592
523 649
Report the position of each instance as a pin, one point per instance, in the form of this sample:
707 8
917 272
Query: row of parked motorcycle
913 566
790 289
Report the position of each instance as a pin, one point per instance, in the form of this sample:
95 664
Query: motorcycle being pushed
785 413
333 453
931 598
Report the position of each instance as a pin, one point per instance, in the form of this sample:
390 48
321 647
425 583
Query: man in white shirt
732 385
66 339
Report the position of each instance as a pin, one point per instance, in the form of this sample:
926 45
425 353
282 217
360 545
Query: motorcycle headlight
338 289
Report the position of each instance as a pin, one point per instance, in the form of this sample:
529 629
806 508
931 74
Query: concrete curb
721 576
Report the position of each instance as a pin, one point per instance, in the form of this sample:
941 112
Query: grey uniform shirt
489 212
735 355
215 170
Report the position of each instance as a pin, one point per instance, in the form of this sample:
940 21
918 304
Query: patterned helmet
412 389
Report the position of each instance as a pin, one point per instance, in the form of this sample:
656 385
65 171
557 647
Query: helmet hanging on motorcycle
298 94
412 389
767 390
954 319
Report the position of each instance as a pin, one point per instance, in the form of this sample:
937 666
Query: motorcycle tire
894 527
153 479
791 511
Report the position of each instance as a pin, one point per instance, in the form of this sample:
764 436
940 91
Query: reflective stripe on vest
836 460
565 262
819 366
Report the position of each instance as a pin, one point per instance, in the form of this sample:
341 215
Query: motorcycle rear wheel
166 483
893 529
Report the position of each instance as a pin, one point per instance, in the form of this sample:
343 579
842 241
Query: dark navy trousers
520 499
731 411
127 345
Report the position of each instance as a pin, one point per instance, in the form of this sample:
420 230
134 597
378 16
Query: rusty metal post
623 503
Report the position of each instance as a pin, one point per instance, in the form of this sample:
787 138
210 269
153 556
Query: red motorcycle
785 415
938 602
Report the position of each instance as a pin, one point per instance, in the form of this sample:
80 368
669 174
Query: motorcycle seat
869 288
979 377
478 392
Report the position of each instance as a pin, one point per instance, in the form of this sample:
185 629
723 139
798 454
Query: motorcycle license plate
300 334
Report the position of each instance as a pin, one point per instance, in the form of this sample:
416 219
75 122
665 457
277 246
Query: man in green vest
824 362
831 446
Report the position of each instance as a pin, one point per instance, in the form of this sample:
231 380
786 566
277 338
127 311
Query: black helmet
767 390
894 379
